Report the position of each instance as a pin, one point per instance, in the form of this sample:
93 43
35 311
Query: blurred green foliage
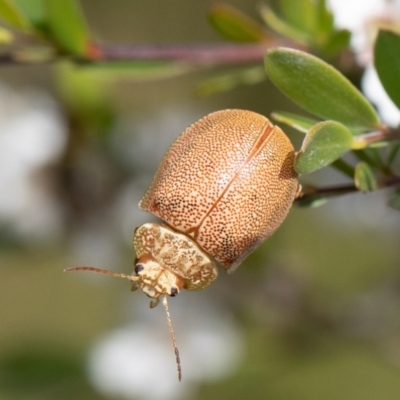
236 26
387 64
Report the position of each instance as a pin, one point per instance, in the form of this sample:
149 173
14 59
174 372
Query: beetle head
154 279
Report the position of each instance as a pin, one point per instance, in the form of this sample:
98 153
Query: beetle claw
154 303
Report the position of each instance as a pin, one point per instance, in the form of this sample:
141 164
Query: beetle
223 187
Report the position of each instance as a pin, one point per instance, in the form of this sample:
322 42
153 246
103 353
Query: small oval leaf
298 122
234 25
68 25
319 88
387 63
324 143
364 178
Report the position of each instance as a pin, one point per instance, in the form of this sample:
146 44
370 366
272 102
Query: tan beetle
222 188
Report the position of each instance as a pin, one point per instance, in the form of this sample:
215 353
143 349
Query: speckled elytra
222 188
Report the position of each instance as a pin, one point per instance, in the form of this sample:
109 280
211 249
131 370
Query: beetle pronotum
222 188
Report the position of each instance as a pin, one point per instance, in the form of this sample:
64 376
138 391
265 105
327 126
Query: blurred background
314 313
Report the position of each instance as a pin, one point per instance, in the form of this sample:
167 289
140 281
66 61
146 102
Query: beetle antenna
171 332
103 271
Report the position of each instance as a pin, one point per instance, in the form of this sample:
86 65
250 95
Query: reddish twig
209 54
318 193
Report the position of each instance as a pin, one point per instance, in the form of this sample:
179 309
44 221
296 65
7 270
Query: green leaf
380 144
387 63
343 167
34 11
224 82
68 26
298 122
319 88
324 143
300 14
364 155
235 25
82 90
137 70
364 178
337 41
324 18
282 27
374 155
10 13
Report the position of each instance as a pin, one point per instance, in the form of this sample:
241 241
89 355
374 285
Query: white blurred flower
96 243
363 18
125 208
153 134
32 136
355 16
138 362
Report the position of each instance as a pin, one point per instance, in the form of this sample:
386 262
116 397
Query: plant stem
383 133
200 54
208 54
315 193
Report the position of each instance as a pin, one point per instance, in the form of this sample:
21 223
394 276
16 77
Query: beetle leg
299 192
135 286
154 303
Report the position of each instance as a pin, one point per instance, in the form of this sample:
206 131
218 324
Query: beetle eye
174 292
139 268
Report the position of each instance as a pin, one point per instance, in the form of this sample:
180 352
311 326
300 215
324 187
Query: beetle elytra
223 187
